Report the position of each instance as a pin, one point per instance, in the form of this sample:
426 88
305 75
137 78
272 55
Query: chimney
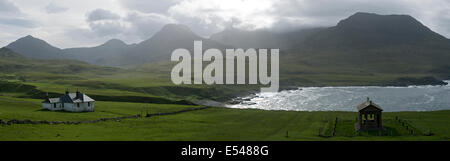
46 96
78 94
67 91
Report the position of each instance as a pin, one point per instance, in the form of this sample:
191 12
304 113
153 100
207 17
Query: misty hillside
367 30
163 43
107 54
263 38
365 41
12 62
158 48
381 43
248 39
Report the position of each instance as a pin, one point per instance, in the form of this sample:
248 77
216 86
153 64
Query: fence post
334 128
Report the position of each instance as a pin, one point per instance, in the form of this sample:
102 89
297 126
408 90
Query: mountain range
115 52
13 62
357 41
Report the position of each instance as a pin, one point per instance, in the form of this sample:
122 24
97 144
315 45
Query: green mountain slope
32 47
12 62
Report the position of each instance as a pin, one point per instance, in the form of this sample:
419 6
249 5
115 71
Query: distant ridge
160 46
113 43
8 53
368 30
107 54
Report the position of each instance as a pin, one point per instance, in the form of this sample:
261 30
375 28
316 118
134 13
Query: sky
77 23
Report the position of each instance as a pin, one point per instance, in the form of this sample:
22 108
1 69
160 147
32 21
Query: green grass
152 82
208 124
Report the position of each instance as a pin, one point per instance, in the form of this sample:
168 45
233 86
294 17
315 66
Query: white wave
412 98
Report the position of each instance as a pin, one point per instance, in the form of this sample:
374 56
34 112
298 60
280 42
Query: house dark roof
368 104
70 98
52 100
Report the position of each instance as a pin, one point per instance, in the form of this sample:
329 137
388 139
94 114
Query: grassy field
207 124
148 89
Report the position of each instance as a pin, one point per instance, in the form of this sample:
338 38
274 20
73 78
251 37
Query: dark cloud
10 15
53 8
202 27
101 14
17 22
7 7
107 28
304 14
293 14
333 8
153 6
105 23
139 19
145 25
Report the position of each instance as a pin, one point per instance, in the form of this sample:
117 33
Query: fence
27 121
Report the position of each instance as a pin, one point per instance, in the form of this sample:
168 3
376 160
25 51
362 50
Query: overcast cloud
55 8
73 23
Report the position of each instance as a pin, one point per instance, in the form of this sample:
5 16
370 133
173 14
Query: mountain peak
32 47
400 27
172 32
175 30
364 14
364 19
30 38
369 30
176 27
114 42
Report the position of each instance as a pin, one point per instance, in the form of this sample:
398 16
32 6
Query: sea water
411 98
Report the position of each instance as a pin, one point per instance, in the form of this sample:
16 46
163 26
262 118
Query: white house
73 102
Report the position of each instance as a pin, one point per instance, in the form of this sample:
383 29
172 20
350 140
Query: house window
54 105
63 105
78 104
89 104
